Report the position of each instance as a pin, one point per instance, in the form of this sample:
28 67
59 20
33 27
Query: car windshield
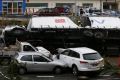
91 56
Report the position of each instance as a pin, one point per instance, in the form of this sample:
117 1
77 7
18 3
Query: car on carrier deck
81 59
35 62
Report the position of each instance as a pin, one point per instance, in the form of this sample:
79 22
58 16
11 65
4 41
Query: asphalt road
50 76
67 76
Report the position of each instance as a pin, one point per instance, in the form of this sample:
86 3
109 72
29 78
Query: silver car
33 61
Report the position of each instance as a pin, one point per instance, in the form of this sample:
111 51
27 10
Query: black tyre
22 71
57 70
88 33
18 32
75 70
99 35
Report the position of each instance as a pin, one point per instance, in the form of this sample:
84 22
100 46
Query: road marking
45 76
104 75
82 77
116 78
4 76
100 79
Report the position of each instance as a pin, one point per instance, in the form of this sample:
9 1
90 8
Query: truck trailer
51 32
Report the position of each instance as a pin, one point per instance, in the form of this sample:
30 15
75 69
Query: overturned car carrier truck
100 33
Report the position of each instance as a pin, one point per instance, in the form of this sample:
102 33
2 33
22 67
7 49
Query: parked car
33 61
81 59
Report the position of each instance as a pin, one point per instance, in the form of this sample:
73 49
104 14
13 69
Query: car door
42 63
64 56
27 62
74 58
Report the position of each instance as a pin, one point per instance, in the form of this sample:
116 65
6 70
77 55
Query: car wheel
58 70
75 70
22 71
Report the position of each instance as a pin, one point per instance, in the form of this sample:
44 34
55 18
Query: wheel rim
75 71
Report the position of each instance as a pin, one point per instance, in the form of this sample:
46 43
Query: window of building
4 3
37 4
87 5
12 7
19 4
15 7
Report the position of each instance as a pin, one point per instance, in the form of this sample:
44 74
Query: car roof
29 53
83 50
24 43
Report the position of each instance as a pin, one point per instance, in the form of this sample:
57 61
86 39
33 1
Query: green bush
13 72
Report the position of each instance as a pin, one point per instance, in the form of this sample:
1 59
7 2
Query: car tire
22 71
75 70
57 70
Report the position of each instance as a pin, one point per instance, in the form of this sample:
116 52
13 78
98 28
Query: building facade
34 5
30 6
12 6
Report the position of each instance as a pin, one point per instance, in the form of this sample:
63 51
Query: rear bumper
90 69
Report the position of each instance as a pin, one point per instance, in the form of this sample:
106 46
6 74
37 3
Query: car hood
44 51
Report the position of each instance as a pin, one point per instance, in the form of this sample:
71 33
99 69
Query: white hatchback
81 59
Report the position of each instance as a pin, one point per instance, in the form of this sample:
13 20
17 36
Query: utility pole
101 6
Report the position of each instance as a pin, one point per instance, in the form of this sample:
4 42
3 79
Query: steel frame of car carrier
52 38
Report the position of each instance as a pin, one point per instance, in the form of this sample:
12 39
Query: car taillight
102 62
83 62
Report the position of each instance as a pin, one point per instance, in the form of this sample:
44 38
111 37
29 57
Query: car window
74 54
38 58
91 56
26 58
65 52
27 48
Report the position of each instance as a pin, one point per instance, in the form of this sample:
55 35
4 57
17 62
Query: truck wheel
99 35
18 32
22 71
88 33
75 70
57 70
